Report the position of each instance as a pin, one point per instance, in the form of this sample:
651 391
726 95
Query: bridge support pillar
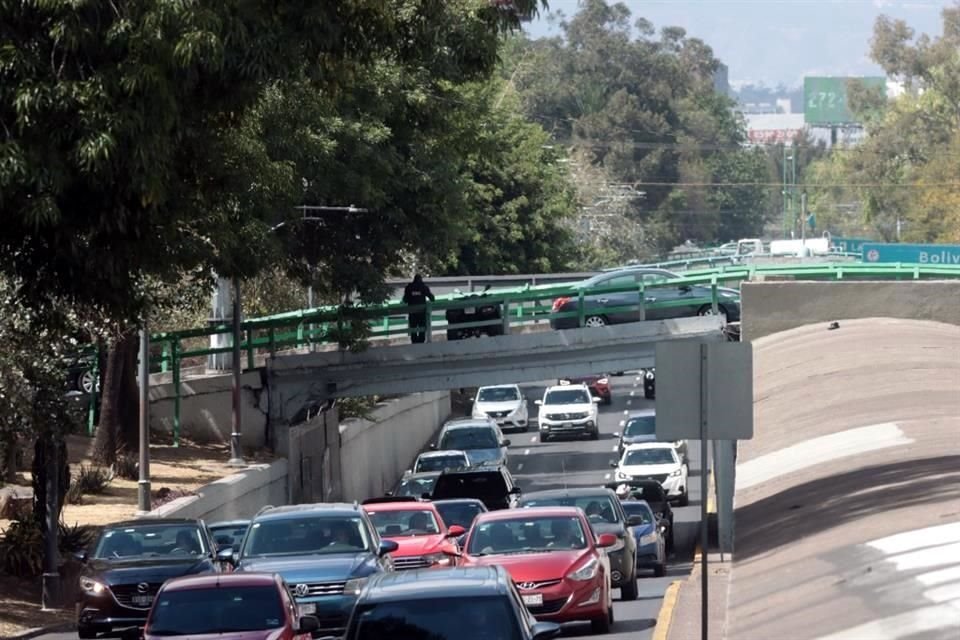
724 476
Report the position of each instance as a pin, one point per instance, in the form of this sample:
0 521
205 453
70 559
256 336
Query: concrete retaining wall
770 307
374 455
314 456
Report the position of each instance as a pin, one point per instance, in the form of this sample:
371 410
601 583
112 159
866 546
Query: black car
464 603
127 565
484 310
491 484
649 383
652 492
606 515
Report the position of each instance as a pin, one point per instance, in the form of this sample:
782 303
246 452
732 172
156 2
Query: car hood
600 528
476 456
642 530
533 567
145 569
585 407
416 545
271 634
314 568
648 469
496 406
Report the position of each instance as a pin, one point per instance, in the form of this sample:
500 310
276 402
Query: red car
554 558
425 541
599 386
247 606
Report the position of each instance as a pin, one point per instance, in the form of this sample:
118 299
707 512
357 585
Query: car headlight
440 559
354 586
675 473
650 538
586 572
92 586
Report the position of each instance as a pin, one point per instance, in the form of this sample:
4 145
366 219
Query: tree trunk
119 407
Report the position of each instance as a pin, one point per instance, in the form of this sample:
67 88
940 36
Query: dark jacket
417 292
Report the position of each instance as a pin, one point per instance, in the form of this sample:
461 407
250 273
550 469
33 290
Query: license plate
470 310
567 425
534 600
307 609
142 601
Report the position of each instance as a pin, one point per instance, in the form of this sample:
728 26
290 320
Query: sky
779 41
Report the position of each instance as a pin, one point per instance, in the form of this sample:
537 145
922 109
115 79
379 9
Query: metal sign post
704 533
143 483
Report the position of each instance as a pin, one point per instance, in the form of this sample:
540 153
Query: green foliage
127 467
89 481
21 549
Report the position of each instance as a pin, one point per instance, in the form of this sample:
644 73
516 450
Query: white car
568 409
659 461
440 461
504 403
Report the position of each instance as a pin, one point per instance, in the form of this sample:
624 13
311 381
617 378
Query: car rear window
469 485
599 508
451 618
216 610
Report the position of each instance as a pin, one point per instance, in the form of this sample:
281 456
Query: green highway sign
934 254
825 99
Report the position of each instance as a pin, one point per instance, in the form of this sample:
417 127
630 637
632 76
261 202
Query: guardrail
518 306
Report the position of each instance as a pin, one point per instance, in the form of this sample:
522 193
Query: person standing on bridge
415 294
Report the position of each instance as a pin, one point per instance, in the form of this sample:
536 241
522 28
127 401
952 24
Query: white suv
658 461
568 410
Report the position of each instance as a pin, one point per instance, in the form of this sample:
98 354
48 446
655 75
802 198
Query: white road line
520 467
629 402
931 578
912 540
526 452
615 448
606 476
944 594
631 393
852 442
904 625
625 412
623 422
926 558
533 438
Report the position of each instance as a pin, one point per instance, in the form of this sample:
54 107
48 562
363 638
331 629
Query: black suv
606 515
127 565
652 491
491 484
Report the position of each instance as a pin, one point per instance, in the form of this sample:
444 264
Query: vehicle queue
375 569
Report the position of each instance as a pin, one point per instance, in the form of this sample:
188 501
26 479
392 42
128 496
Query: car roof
514 514
460 501
228 523
152 521
464 423
214 580
641 413
406 505
300 510
499 386
636 503
443 453
572 385
650 445
424 584
568 493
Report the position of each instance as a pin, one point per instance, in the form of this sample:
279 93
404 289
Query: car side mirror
616 434
387 546
227 555
455 531
80 556
614 464
307 624
516 491
595 400
544 630
606 540
634 521
505 443
539 403
433 446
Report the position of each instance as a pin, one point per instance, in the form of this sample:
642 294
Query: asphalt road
586 463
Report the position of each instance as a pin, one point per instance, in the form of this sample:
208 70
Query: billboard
825 99
947 254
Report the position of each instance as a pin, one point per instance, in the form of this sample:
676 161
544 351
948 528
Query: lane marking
904 625
615 448
665 617
526 452
631 393
625 412
925 558
629 402
809 453
533 438
520 467
606 477
932 578
912 540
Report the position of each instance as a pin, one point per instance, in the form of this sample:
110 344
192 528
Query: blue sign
946 254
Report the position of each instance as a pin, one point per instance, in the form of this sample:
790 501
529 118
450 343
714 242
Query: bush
21 550
75 538
89 481
127 467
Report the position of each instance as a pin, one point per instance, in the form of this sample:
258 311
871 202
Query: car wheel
595 321
86 381
707 310
544 437
595 435
670 540
602 624
648 394
85 633
684 498
660 570
629 591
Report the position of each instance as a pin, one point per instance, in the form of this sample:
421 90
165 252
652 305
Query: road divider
662 628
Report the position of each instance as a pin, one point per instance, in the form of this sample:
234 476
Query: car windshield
316 535
599 508
415 487
228 535
567 396
461 513
216 610
497 394
392 524
648 456
449 618
640 426
469 438
470 485
638 509
439 463
526 535
173 540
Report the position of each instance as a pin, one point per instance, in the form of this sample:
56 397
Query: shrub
75 538
21 550
89 481
127 467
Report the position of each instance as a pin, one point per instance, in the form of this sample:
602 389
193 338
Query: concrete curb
63 627
665 617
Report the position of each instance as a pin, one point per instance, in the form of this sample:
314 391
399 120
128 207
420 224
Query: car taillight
559 302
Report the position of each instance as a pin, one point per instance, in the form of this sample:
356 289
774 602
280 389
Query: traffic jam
455 551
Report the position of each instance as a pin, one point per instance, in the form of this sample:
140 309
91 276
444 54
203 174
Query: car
493 485
641 426
423 539
228 533
651 492
483 311
440 460
461 511
505 403
555 559
659 461
325 552
416 485
649 383
461 603
480 438
129 561
599 386
241 606
606 308
606 515
651 543
568 410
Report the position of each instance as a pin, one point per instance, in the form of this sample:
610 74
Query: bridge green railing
519 306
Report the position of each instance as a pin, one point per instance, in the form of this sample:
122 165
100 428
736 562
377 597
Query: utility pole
803 224
236 453
51 595
143 483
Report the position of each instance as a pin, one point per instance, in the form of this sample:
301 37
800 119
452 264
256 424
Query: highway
586 463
